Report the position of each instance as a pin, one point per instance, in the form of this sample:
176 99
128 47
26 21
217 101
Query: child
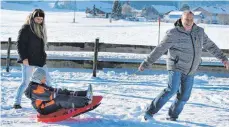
46 99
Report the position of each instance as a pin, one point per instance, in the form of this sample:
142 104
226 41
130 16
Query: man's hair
188 12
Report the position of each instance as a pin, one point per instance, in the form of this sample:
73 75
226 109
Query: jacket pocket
172 61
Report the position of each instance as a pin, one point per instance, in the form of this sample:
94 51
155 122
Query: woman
31 43
46 99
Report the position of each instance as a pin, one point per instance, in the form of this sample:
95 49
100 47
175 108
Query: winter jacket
41 95
31 47
46 99
184 49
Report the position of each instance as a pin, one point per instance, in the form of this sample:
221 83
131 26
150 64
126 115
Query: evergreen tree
185 7
117 9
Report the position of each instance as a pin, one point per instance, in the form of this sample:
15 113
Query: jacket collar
180 28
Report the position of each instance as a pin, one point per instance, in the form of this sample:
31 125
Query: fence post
8 55
95 60
159 29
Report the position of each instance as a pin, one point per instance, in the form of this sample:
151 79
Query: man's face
187 20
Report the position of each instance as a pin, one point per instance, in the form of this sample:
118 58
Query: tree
185 7
116 10
127 10
94 11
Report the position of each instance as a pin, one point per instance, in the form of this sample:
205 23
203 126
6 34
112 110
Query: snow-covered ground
61 29
126 97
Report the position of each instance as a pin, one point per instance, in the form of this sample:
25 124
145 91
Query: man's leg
182 96
174 78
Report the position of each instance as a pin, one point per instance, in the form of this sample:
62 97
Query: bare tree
127 10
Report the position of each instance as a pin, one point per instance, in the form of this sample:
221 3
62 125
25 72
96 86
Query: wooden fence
91 47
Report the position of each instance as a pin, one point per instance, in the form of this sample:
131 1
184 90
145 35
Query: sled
64 114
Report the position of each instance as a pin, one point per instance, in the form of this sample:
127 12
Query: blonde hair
28 18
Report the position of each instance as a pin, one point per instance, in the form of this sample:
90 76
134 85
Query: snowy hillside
55 5
47 6
82 5
61 29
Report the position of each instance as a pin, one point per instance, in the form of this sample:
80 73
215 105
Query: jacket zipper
193 54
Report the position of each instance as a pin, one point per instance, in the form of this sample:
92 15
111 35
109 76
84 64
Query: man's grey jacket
184 49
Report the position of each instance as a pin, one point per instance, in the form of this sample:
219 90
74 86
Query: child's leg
79 93
66 101
73 93
49 109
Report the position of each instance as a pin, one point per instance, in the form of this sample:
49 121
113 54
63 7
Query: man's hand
226 64
141 68
25 62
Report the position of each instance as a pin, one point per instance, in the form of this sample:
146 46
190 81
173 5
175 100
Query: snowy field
61 29
125 99
126 95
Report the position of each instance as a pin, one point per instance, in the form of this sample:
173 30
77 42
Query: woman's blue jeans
27 72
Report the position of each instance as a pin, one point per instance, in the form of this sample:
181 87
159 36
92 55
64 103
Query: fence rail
91 47
103 47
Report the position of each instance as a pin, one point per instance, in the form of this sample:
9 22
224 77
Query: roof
215 10
164 9
97 11
181 12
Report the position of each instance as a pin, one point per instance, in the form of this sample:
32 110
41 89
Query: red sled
64 114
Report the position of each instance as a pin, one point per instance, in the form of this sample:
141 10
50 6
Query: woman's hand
25 62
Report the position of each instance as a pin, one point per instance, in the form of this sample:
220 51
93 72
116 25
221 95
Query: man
184 44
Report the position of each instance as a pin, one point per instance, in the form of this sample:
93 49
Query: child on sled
46 99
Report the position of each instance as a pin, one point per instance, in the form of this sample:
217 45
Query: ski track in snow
126 97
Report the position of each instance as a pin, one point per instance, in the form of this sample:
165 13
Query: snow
126 96
181 12
126 92
61 29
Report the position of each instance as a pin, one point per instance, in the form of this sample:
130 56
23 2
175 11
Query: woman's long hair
37 29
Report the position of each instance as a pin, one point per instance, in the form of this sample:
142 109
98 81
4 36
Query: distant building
97 13
173 16
214 15
154 11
